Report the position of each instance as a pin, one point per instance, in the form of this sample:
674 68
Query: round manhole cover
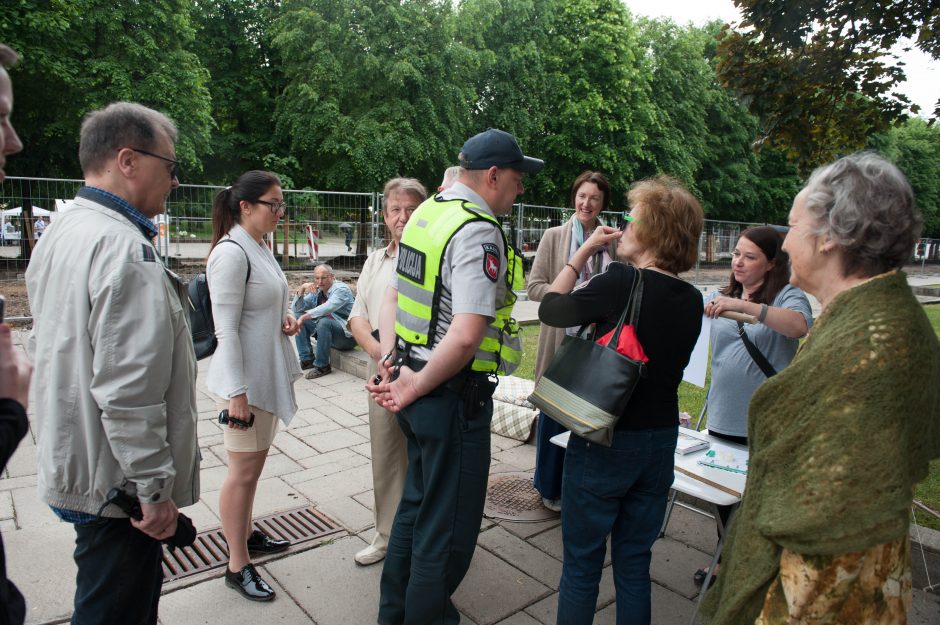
511 496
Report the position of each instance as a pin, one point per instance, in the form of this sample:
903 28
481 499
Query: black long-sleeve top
13 427
669 324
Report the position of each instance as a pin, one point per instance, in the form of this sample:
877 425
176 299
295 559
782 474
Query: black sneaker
318 372
260 543
306 364
249 584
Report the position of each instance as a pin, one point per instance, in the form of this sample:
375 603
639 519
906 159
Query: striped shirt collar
120 205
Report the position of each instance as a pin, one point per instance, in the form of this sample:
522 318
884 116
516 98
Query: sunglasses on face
627 220
174 171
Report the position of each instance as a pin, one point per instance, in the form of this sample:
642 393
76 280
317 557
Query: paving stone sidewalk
322 459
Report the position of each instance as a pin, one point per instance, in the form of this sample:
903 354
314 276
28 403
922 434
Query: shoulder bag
587 385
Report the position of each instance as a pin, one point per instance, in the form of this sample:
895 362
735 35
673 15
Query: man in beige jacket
112 345
401 197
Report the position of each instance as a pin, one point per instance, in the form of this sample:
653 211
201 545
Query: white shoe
552 504
370 555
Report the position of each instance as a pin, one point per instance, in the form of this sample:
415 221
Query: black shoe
318 372
249 584
699 578
306 364
260 543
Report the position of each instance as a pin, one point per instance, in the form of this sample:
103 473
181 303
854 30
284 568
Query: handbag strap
759 359
631 310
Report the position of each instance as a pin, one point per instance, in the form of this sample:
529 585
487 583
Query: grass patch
691 399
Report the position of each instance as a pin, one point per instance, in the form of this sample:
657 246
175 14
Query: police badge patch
491 261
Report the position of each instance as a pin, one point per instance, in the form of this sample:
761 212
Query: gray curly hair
865 204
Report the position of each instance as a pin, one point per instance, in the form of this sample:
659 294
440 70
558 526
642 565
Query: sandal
700 575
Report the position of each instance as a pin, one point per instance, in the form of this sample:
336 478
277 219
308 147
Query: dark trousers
119 574
549 458
618 491
438 519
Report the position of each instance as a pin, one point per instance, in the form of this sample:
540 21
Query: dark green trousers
438 520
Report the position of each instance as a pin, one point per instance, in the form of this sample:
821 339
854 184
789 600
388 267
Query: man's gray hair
865 204
8 56
324 267
120 125
450 176
403 185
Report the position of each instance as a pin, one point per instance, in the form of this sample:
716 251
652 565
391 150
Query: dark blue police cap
494 147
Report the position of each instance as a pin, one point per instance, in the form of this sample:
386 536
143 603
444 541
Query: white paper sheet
698 363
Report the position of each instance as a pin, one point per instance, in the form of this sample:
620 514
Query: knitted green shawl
838 440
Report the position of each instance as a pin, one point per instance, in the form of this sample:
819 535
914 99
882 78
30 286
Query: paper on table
687 444
698 363
734 460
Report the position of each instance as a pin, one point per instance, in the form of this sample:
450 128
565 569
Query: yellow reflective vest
420 254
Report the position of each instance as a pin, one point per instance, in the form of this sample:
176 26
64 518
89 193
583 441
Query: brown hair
671 223
597 178
226 208
768 239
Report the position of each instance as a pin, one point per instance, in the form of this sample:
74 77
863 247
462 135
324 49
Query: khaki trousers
389 465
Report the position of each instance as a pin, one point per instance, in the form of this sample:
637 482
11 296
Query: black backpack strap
247 277
759 359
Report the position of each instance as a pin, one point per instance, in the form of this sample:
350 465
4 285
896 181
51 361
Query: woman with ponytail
254 366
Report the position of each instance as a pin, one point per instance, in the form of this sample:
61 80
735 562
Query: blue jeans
438 519
549 459
119 574
621 492
329 333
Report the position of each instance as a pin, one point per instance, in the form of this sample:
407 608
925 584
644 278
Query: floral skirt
871 587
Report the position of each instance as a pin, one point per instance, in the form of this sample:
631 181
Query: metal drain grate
512 497
210 551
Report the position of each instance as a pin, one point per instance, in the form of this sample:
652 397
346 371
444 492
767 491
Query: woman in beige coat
590 194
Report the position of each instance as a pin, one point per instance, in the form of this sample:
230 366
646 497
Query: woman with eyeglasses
590 194
620 491
254 366
758 286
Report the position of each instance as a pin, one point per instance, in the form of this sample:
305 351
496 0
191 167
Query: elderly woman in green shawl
840 437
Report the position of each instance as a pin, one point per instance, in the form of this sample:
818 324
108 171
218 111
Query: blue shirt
120 205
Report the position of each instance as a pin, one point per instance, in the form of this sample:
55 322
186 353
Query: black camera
224 418
185 530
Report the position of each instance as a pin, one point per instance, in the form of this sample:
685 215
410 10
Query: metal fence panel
186 230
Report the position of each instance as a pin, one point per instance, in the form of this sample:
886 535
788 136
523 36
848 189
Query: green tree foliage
819 73
374 89
233 43
567 78
701 134
915 148
80 55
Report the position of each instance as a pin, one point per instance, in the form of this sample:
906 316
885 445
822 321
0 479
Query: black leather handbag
587 386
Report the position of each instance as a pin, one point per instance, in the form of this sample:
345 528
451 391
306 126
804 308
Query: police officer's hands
159 520
394 396
290 326
15 369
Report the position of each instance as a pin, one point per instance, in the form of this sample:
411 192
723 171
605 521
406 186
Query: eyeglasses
174 171
276 207
627 220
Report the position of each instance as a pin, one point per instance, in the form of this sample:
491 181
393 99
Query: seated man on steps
322 308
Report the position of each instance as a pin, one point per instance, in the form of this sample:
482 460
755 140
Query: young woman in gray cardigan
253 370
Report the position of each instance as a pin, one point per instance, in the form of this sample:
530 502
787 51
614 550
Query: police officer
447 329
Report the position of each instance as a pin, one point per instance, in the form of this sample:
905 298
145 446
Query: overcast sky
923 73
